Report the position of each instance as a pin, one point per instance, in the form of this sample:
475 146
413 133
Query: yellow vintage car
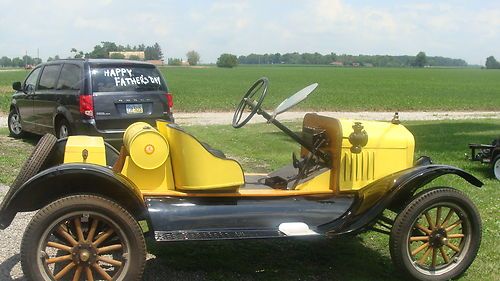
94 202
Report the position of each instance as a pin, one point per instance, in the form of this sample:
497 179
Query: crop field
262 148
341 89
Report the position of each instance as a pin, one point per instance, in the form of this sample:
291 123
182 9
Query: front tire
14 124
437 236
495 167
83 237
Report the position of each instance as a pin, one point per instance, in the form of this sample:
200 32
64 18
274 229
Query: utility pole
37 55
26 59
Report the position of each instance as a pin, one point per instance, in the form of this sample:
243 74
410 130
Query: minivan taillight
170 100
86 106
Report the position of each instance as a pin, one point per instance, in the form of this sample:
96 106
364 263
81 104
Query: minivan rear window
126 78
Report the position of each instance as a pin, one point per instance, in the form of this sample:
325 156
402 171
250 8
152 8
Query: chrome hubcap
15 124
63 131
496 169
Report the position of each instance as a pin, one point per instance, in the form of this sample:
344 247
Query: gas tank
147 148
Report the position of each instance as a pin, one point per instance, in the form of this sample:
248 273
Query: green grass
7 77
364 257
13 153
341 89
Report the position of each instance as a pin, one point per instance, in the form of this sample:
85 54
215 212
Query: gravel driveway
10 241
225 118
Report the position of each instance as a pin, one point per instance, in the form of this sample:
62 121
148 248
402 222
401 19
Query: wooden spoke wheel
83 238
437 236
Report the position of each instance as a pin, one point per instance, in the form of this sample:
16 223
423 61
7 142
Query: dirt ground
225 118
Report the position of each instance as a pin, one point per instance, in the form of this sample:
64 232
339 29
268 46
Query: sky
460 29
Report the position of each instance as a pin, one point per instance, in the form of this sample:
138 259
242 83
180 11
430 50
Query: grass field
341 89
365 257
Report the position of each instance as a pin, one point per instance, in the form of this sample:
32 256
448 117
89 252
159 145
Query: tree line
19 61
351 60
154 52
102 51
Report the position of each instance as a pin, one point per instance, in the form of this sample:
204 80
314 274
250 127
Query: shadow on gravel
7 266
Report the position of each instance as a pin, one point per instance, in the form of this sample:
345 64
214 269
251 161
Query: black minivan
89 97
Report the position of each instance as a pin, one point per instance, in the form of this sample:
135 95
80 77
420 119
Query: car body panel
23 100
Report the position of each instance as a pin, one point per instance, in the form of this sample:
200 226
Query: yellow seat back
194 167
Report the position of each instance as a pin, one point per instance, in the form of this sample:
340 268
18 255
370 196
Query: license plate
134 108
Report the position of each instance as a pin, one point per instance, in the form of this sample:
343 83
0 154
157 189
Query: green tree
193 57
5 62
227 60
152 52
77 54
174 61
420 59
102 51
134 57
17 62
492 63
117 56
157 51
37 61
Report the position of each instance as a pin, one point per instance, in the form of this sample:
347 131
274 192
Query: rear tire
82 235
495 167
14 124
437 235
63 129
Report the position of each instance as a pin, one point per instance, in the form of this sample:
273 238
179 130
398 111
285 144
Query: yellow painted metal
148 165
148 149
320 183
389 149
159 180
195 168
85 149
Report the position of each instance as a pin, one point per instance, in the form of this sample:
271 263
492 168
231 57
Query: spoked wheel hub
84 247
84 254
439 236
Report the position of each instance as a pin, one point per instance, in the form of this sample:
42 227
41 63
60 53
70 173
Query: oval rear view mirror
17 86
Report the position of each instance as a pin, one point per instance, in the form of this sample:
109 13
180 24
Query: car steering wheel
248 102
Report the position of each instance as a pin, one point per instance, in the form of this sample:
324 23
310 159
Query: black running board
221 218
167 236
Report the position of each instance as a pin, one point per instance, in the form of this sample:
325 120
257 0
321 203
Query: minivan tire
14 124
63 129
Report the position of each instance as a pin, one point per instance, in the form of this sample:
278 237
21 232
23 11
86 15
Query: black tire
14 124
86 253
63 129
495 167
36 160
441 240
